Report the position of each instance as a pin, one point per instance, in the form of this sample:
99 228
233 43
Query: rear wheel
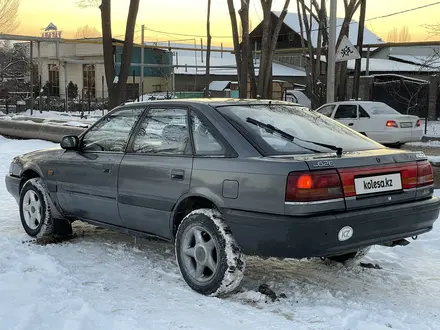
209 259
352 256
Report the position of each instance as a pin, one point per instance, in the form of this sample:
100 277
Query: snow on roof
224 63
385 65
292 21
218 86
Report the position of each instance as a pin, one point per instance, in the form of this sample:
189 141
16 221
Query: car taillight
418 123
425 176
391 123
313 186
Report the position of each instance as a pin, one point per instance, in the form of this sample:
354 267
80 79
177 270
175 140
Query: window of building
54 80
89 81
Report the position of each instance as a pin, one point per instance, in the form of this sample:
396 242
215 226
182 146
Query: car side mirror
70 142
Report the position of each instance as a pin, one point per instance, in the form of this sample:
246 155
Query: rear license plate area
377 184
405 125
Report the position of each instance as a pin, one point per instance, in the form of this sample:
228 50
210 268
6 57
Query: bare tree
268 46
9 21
243 49
395 35
116 84
87 31
313 17
208 48
14 63
240 52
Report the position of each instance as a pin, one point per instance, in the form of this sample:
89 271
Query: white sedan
376 120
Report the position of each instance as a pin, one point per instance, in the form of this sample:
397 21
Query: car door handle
177 174
351 124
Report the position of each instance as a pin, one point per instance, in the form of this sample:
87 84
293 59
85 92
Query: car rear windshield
297 121
379 108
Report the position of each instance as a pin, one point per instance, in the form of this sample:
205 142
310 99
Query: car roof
352 101
217 102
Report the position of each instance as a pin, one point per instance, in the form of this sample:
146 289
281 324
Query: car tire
352 256
36 211
209 259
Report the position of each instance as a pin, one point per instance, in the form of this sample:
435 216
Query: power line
404 11
370 19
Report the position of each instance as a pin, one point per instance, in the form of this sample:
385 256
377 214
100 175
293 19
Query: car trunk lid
375 177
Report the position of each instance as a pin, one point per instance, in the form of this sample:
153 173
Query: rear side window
297 121
205 144
379 108
346 111
363 113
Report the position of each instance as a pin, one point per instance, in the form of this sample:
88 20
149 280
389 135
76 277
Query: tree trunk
341 68
208 48
235 38
265 44
127 51
309 82
109 64
252 78
273 46
244 17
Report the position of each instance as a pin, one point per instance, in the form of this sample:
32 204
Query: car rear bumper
13 186
300 237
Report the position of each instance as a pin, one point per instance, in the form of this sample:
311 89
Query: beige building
82 62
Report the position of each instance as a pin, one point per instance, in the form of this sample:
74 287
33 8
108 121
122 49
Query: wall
405 50
94 52
197 83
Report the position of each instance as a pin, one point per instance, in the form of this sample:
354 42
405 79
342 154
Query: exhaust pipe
400 242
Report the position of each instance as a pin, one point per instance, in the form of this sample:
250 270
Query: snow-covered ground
57 118
103 280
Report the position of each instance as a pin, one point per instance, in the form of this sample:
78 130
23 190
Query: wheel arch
189 203
27 174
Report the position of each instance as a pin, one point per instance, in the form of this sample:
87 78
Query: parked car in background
376 120
224 178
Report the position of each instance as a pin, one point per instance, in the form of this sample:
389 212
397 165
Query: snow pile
57 118
427 144
101 280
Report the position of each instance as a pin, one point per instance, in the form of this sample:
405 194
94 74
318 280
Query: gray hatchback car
223 178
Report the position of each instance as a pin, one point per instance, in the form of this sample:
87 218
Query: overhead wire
367 20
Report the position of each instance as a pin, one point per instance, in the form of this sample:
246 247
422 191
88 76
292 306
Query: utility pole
31 61
360 43
208 49
141 83
331 74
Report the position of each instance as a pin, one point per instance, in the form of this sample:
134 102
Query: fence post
89 100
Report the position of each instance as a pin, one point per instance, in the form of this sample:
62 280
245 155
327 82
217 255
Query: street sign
346 51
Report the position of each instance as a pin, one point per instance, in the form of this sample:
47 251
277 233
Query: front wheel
209 259
36 211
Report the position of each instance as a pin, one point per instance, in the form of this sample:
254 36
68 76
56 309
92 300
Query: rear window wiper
272 129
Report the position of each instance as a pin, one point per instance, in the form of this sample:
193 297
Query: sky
186 19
